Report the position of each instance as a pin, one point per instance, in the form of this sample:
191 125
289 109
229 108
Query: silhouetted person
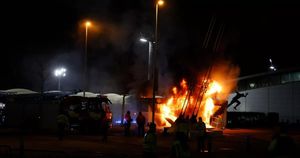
150 142
236 98
193 119
141 120
62 122
201 127
282 145
180 147
182 125
104 128
127 123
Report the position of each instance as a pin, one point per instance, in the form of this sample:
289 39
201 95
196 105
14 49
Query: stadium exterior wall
283 99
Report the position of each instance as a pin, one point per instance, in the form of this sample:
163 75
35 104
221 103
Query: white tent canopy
53 91
117 98
87 94
18 91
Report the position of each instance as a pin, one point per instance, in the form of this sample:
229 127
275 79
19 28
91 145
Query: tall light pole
144 40
87 25
59 73
158 3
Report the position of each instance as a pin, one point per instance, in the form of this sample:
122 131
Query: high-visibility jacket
73 114
95 116
150 142
183 127
178 152
63 119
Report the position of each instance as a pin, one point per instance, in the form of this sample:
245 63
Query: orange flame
180 102
207 97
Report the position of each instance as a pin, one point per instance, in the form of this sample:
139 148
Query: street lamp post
149 56
158 3
59 73
87 25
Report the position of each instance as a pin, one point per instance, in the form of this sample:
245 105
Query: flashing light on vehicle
118 122
133 121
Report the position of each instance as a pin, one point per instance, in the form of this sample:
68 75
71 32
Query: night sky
39 36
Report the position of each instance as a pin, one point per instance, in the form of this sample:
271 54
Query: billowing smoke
225 73
117 61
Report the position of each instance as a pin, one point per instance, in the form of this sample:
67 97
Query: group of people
180 146
279 144
150 138
63 122
140 120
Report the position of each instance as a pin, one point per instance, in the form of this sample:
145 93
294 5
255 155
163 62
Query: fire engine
87 113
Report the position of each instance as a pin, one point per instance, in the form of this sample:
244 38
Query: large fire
190 102
207 98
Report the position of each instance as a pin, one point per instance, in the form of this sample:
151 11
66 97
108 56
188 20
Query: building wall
283 99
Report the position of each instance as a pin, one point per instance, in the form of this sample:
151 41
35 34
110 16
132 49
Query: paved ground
226 143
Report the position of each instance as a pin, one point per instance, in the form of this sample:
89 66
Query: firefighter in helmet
150 141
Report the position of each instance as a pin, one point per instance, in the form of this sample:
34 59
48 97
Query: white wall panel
283 99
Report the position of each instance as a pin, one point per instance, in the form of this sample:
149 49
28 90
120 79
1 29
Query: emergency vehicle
87 113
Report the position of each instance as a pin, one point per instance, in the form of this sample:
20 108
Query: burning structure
206 98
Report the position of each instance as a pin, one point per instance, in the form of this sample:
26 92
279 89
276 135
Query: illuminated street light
87 25
144 40
272 67
59 73
155 69
160 2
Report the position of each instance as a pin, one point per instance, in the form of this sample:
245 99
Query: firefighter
62 122
127 123
141 120
180 148
201 127
104 128
281 144
182 126
150 141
